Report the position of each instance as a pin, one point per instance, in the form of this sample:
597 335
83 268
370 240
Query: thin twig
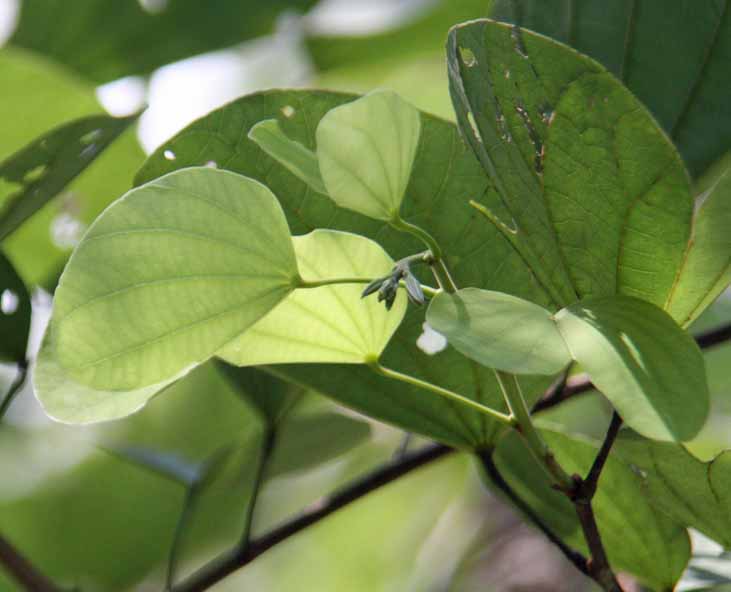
244 554
15 388
591 481
267 447
24 573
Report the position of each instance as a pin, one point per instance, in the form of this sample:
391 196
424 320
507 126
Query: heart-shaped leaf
168 275
680 75
500 331
329 324
642 361
15 312
366 150
599 196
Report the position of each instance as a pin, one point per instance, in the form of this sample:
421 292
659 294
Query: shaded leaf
599 196
638 538
329 324
48 164
680 75
15 312
366 151
169 274
649 368
104 42
500 331
477 254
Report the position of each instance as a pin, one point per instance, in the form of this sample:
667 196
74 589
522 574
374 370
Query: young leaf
169 274
329 324
706 268
649 368
15 312
366 151
600 197
299 160
500 331
638 537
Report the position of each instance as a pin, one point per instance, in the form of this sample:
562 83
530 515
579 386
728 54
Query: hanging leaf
169 274
366 150
649 368
500 331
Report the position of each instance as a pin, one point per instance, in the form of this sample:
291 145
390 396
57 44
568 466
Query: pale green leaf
366 150
329 324
500 331
649 368
706 268
600 197
169 274
301 161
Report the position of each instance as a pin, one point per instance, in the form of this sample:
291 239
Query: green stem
516 403
400 224
417 382
352 280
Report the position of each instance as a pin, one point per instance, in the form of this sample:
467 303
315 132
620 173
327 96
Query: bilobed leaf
329 324
638 538
301 161
445 176
169 274
680 75
696 494
600 197
15 312
642 361
366 151
500 331
40 170
706 268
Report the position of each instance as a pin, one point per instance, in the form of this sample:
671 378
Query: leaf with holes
15 312
500 331
599 197
329 324
642 361
168 275
477 254
680 75
366 151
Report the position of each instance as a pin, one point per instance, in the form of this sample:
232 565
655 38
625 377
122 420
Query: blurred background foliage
98 507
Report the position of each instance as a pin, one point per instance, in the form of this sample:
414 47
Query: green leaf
15 312
638 538
692 492
330 324
706 268
500 331
598 194
169 274
292 155
47 165
366 151
477 254
103 42
651 370
681 75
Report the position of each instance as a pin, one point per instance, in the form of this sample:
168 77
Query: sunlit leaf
14 313
169 274
500 331
330 324
642 361
366 151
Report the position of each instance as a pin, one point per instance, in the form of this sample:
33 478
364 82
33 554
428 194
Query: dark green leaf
673 55
104 41
39 171
444 178
15 312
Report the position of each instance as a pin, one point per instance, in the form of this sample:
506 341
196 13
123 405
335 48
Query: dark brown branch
488 463
591 481
554 395
24 573
246 553
14 389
